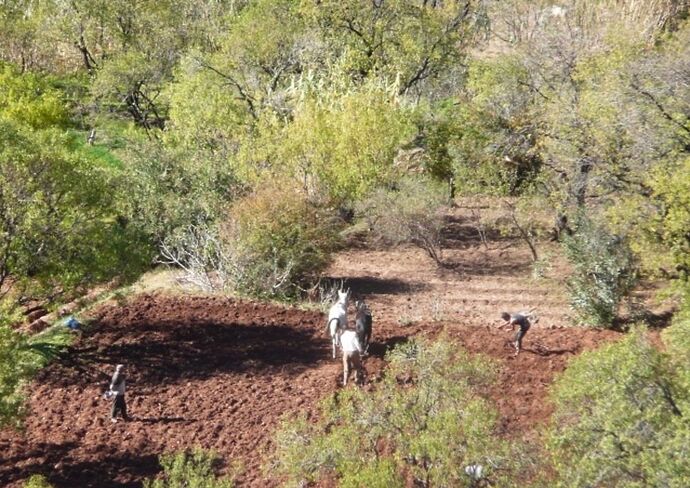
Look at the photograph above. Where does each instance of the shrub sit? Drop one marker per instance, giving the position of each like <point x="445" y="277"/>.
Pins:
<point x="604" y="272"/>
<point x="37" y="481"/>
<point x="198" y="252"/>
<point x="410" y="212"/>
<point x="677" y="341"/>
<point x="167" y="189"/>
<point x="424" y="420"/>
<point x="20" y="358"/>
<point x="276" y="241"/>
<point x="621" y="417"/>
<point x="194" y="469"/>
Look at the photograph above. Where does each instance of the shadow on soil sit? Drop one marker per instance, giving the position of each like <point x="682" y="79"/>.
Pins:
<point x="122" y="470"/>
<point x="462" y="233"/>
<point x="54" y="462"/>
<point x="653" y="320"/>
<point x="371" y="285"/>
<point x="163" y="353"/>
<point x="379" y="349"/>
<point x="488" y="267"/>
<point x="544" y="351"/>
<point x="159" y="420"/>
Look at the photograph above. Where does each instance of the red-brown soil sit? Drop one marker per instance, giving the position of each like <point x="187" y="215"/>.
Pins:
<point x="220" y="373"/>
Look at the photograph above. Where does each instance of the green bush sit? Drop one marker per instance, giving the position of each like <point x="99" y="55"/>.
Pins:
<point x="193" y="469"/>
<point x="410" y="212"/>
<point x="621" y="416"/>
<point x="20" y="358"/>
<point x="604" y="272"/>
<point x="424" y="420"/>
<point x="59" y="225"/>
<point x="37" y="481"/>
<point x="276" y="240"/>
<point x="339" y="143"/>
<point x="167" y="188"/>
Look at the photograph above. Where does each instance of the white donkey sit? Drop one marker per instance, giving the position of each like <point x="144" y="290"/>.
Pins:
<point x="337" y="318"/>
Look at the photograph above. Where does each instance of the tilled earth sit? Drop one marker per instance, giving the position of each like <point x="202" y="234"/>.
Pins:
<point x="220" y="373"/>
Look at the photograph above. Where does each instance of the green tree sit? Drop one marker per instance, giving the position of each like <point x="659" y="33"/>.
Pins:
<point x="58" y="210"/>
<point x="604" y="272"/>
<point x="167" y="187"/>
<point x="30" y="100"/>
<point x="424" y="419"/>
<point x="338" y="146"/>
<point x="66" y="232"/>
<point x="415" y="43"/>
<point x="621" y="416"/>
<point x="494" y="142"/>
<point x="657" y="222"/>
<point x="264" y="48"/>
<point x="190" y="469"/>
<point x="571" y="75"/>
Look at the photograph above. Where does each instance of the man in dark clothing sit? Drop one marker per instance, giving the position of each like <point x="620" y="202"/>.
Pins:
<point x="521" y="319"/>
<point x="117" y="392"/>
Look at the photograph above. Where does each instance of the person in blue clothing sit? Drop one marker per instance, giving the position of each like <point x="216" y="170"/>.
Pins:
<point x="72" y="324"/>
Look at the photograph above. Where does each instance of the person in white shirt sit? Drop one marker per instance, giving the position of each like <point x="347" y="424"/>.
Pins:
<point x="117" y="392"/>
<point x="352" y="355"/>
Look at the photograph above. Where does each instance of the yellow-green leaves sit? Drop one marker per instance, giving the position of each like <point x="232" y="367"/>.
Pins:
<point x="621" y="414"/>
<point x="424" y="420"/>
<point x="30" y="100"/>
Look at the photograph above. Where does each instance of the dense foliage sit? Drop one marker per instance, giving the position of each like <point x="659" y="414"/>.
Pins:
<point x="236" y="139"/>
<point x="621" y="416"/>
<point x="198" y="104"/>
<point x="425" y="420"/>
<point x="603" y="272"/>
<point x="189" y="469"/>
<point x="58" y="201"/>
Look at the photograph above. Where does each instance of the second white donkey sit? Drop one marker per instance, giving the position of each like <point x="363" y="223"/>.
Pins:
<point x="337" y="318"/>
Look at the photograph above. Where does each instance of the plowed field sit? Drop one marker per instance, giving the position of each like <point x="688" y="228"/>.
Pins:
<point x="221" y="373"/>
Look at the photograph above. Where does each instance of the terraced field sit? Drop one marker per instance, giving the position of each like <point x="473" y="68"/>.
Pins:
<point x="221" y="373"/>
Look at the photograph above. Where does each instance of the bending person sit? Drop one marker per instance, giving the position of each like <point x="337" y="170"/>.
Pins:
<point x="521" y="319"/>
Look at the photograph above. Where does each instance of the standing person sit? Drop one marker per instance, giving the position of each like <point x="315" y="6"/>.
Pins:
<point x="352" y="355"/>
<point x="521" y="319"/>
<point x="117" y="391"/>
